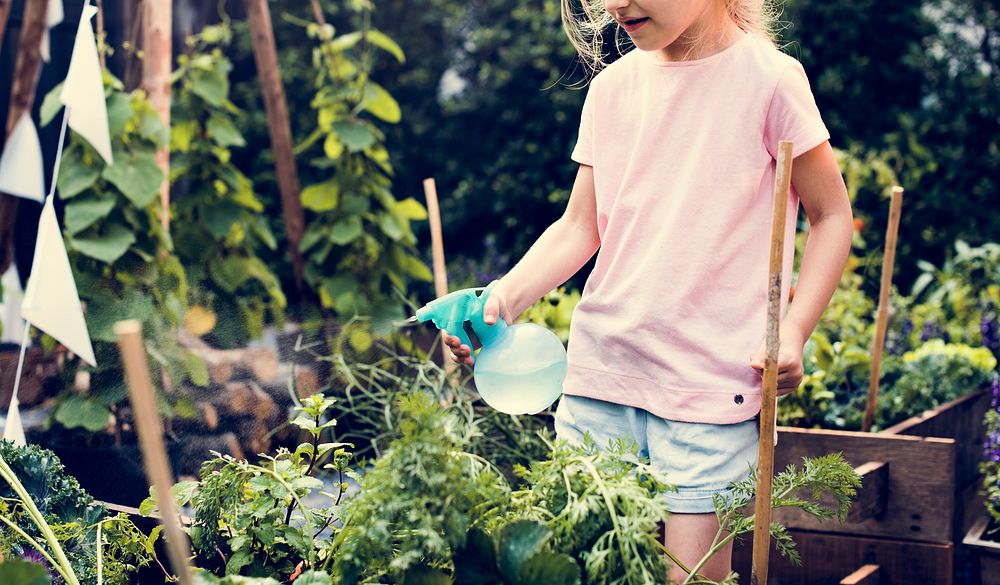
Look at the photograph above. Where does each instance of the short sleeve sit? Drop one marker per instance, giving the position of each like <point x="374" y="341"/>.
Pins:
<point x="793" y="115"/>
<point x="583" y="152"/>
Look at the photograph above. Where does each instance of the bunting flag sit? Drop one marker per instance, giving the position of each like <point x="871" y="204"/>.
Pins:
<point x="11" y="324"/>
<point x="21" y="169"/>
<point x="51" y="301"/>
<point x="53" y="16"/>
<point x="13" y="428"/>
<point x="83" y="90"/>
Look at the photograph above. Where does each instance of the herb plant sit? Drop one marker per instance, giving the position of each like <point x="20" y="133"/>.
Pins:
<point x="990" y="465"/>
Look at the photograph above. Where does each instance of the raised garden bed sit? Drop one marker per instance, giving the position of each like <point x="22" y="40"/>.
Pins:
<point x="986" y="550"/>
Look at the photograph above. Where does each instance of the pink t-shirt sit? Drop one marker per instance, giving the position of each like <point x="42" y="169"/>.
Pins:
<point x="684" y="162"/>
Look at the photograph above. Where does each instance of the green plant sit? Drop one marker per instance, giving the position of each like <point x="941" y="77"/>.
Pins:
<point x="120" y="255"/>
<point x="553" y="311"/>
<point x="359" y="243"/>
<point x="40" y="502"/>
<point x="218" y="224"/>
<point x="990" y="465"/>
<point x="417" y="501"/>
<point x="254" y="519"/>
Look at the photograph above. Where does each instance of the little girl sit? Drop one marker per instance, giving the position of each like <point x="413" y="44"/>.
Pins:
<point x="677" y="148"/>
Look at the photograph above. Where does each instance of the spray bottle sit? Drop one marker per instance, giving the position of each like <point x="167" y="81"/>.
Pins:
<point x="520" y="368"/>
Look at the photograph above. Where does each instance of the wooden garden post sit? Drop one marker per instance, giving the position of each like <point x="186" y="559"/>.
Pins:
<point x="149" y="427"/>
<point x="769" y="385"/>
<point x="157" y="20"/>
<point x="4" y="14"/>
<point x="437" y="249"/>
<point x="882" y="317"/>
<point x="22" y="97"/>
<point x="266" y="57"/>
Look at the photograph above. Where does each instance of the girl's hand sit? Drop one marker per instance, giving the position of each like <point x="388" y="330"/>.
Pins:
<point x="790" y="370"/>
<point x="495" y="305"/>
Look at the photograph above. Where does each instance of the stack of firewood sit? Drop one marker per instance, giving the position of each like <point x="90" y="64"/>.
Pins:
<point x="246" y="404"/>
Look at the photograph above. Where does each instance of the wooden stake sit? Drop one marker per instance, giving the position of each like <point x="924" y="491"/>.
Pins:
<point x="266" y="56"/>
<point x="769" y="385"/>
<point x="882" y="317"/>
<point x="157" y="26"/>
<point x="437" y="249"/>
<point x="4" y="15"/>
<point x="22" y="96"/>
<point x="154" y="453"/>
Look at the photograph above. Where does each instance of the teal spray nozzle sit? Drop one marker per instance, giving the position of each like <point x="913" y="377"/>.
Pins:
<point x="520" y="368"/>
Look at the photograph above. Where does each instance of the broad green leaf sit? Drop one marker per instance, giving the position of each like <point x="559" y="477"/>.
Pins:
<point x="119" y="112"/>
<point x="410" y="208"/>
<point x="81" y="212"/>
<point x="355" y="204"/>
<point x="423" y="575"/>
<point x="382" y="41"/>
<point x="519" y="541"/>
<point x="476" y="562"/>
<point x="182" y="135"/>
<point x="224" y="132"/>
<point x="346" y="230"/>
<point x="149" y="122"/>
<point x="390" y="226"/>
<point x="75" y="176"/>
<point x="416" y="268"/>
<point x="313" y="235"/>
<point x="381" y="104"/>
<point x="549" y="568"/>
<point x="210" y="85"/>
<point x="77" y="411"/>
<point x="355" y="135"/>
<point x="345" y="41"/>
<point x="321" y="196"/>
<point x="229" y="273"/>
<point x="137" y="177"/>
<point x="313" y="578"/>
<point x="196" y="369"/>
<point x="50" y="106"/>
<point x="107" y="247"/>
<point x="333" y="147"/>
<point x="21" y="572"/>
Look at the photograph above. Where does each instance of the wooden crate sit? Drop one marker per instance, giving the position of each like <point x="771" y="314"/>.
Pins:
<point x="910" y="495"/>
<point x="832" y="559"/>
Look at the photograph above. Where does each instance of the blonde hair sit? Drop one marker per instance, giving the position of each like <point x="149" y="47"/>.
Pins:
<point x="585" y="28"/>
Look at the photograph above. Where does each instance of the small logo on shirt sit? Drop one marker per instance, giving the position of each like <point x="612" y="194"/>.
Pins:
<point x="738" y="399"/>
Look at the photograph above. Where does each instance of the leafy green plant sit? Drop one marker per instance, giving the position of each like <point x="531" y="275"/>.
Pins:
<point x="120" y="254"/>
<point x="218" y="225"/>
<point x="553" y="311"/>
<point x="359" y="242"/>
<point x="254" y="519"/>
<point x="417" y="501"/>
<point x="990" y="465"/>
<point x="40" y="502"/>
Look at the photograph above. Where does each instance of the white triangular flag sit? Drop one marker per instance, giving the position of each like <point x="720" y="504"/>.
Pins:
<point x="13" y="429"/>
<point x="11" y="323"/>
<point x="51" y="302"/>
<point x="21" y="170"/>
<point x="53" y="16"/>
<point x="83" y="90"/>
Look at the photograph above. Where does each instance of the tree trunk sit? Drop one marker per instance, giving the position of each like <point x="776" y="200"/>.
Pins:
<point x="22" y="96"/>
<point x="279" y="128"/>
<point x="157" y="22"/>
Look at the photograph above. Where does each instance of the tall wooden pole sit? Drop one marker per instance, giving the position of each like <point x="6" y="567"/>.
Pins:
<point x="157" y="20"/>
<point x="22" y="97"/>
<point x="769" y="385"/>
<point x="437" y="249"/>
<point x="266" y="57"/>
<point x="4" y="15"/>
<point x="882" y="317"/>
<point x="149" y="427"/>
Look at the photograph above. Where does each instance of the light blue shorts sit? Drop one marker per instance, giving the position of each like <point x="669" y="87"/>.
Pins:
<point x="699" y="459"/>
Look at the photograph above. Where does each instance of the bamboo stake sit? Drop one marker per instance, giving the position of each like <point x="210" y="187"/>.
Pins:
<point x="4" y="14"/>
<point x="157" y="19"/>
<point x="22" y="96"/>
<point x="437" y="249"/>
<point x="266" y="57"/>
<point x="769" y="385"/>
<point x="882" y="318"/>
<point x="154" y="454"/>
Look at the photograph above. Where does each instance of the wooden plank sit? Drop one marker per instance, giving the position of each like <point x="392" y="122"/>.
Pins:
<point x="22" y="97"/>
<point x="866" y="575"/>
<point x="266" y="57"/>
<point x="921" y="500"/>
<point x="987" y="551"/>
<point x="874" y="493"/>
<point x="826" y="558"/>
<point x="960" y="419"/>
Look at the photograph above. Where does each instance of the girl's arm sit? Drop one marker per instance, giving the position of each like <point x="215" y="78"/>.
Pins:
<point x="820" y="186"/>
<point x="562" y="249"/>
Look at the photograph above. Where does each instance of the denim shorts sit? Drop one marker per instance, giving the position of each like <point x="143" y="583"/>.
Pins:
<point x="699" y="459"/>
